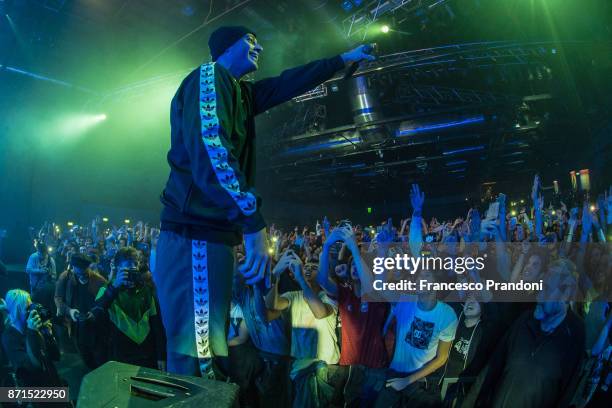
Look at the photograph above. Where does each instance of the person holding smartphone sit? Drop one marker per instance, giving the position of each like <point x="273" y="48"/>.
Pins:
<point x="314" y="342"/>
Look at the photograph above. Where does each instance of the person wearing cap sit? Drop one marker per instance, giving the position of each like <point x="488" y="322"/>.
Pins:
<point x="209" y="200"/>
<point x="75" y="293"/>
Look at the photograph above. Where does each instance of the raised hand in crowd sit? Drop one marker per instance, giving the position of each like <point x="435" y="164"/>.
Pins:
<point x="415" y="238"/>
<point x="283" y="263"/>
<point x="326" y="225"/>
<point x="417" y="198"/>
<point x="587" y="223"/>
<point x="608" y="205"/>
<point x="341" y="271"/>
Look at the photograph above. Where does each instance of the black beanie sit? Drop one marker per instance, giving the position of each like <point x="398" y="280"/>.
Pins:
<point x="81" y="261"/>
<point x="224" y="37"/>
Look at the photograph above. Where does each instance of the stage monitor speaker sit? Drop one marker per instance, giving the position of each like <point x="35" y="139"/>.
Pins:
<point x="124" y="385"/>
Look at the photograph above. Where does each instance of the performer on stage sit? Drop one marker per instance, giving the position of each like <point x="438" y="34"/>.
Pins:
<point x="209" y="200"/>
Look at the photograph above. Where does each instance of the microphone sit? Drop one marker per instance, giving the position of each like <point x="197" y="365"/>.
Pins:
<point x="369" y="49"/>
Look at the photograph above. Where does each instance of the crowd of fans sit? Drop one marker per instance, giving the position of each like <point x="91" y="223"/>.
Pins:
<point x="308" y="336"/>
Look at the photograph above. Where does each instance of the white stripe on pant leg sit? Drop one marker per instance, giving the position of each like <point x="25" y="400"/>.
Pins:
<point x="201" y="306"/>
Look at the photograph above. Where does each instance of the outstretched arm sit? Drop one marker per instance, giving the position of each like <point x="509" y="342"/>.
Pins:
<point x="323" y="278"/>
<point x="274" y="302"/>
<point x="319" y="309"/>
<point x="538" y="204"/>
<point x="270" y="92"/>
<point x="415" y="240"/>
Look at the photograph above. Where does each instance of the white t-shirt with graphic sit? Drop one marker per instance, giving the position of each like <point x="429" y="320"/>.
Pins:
<point x="312" y="338"/>
<point x="418" y="333"/>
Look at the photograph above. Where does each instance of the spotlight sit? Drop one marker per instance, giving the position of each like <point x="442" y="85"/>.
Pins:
<point x="105" y="219"/>
<point x="522" y="201"/>
<point x="554" y="212"/>
<point x="126" y="221"/>
<point x="592" y="207"/>
<point x="271" y="251"/>
<point x="513" y="213"/>
<point x="73" y="125"/>
<point x="274" y="239"/>
<point x="50" y="249"/>
<point x="385" y="29"/>
<point x="70" y="223"/>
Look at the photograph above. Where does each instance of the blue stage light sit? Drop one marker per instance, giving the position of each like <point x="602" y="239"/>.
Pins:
<point x="426" y="128"/>
<point x="465" y="149"/>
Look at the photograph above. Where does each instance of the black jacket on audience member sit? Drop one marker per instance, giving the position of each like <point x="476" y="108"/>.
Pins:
<point x="484" y="338"/>
<point x="530" y="368"/>
<point x="122" y="348"/>
<point x="45" y="350"/>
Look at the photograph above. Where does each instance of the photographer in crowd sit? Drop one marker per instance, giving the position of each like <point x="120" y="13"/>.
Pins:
<point x="29" y="342"/>
<point x="127" y="310"/>
<point x="75" y="294"/>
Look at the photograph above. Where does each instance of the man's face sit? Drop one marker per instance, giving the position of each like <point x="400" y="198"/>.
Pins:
<point x="79" y="272"/>
<point x="245" y="54"/>
<point x="471" y="307"/>
<point x="559" y="285"/>
<point x="428" y="276"/>
<point x="531" y="271"/>
<point x="310" y="271"/>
